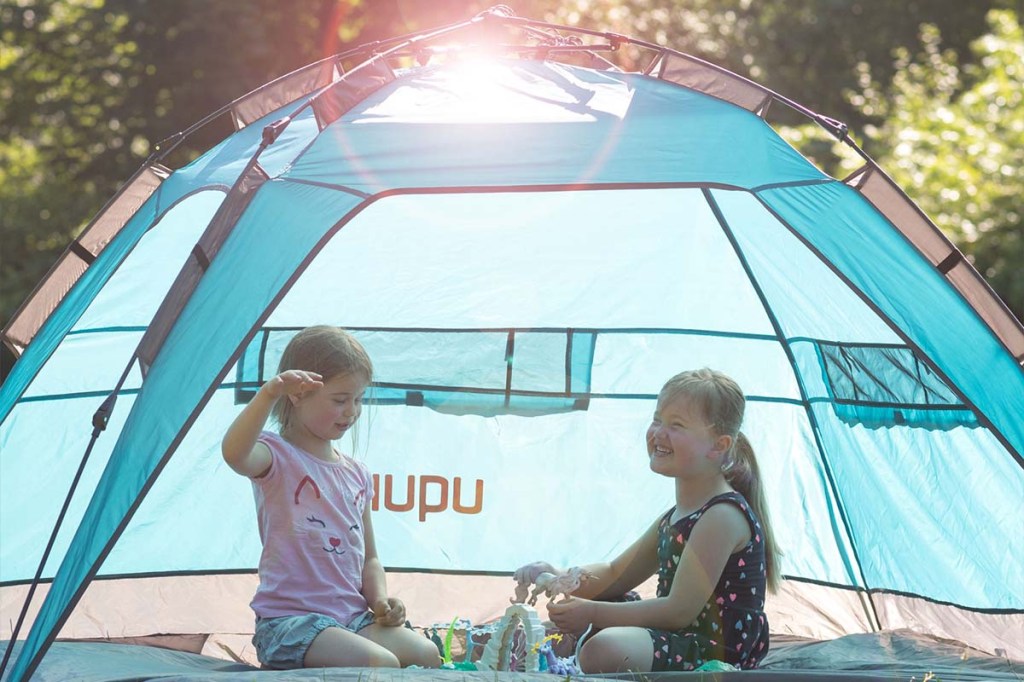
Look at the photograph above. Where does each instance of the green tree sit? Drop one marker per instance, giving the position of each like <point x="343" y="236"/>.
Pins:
<point x="59" y="77"/>
<point x="953" y="135"/>
<point x="806" y="50"/>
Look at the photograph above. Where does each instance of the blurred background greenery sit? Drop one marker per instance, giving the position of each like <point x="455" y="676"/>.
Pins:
<point x="931" y="89"/>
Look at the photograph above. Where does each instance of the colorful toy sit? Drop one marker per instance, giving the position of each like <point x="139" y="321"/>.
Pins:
<point x="446" y="657"/>
<point x="446" y="649"/>
<point x="551" y="663"/>
<point x="498" y="651"/>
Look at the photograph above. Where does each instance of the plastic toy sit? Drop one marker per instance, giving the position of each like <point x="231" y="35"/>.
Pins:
<point x="564" y="584"/>
<point x="498" y="651"/>
<point x="446" y="649"/>
<point x="551" y="663"/>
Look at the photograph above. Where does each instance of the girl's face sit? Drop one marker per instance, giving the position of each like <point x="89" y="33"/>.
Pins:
<point x="331" y="410"/>
<point x="680" y="442"/>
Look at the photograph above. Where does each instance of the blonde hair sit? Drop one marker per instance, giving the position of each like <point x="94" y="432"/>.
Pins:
<point x="722" y="403"/>
<point x="328" y="351"/>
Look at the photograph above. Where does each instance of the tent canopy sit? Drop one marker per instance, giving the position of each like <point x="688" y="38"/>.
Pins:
<point x="528" y="248"/>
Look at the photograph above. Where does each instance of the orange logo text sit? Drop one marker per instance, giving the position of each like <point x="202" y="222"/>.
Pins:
<point x="427" y="494"/>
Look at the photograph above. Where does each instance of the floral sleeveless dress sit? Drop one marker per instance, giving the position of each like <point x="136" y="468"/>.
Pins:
<point x="732" y="626"/>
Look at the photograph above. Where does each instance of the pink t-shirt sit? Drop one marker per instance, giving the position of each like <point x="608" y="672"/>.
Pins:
<point x="310" y="514"/>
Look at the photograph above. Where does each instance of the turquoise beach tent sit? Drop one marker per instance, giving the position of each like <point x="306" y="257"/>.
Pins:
<point x="528" y="241"/>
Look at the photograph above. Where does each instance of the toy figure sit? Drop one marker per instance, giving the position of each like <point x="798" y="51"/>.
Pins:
<point x="551" y="584"/>
<point x="551" y="663"/>
<point x="522" y="590"/>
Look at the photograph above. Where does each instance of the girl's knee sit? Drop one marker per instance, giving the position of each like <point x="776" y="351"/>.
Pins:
<point x="613" y="650"/>
<point x="425" y="654"/>
<point x="382" y="658"/>
<point x="407" y="647"/>
<point x="429" y="655"/>
<point x="595" y="656"/>
<point x="416" y="650"/>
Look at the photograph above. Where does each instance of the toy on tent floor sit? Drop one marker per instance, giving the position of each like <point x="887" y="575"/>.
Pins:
<point x="551" y="585"/>
<point x="550" y="662"/>
<point x="499" y="655"/>
<point x="446" y="652"/>
<point x="716" y="666"/>
<point x="431" y="634"/>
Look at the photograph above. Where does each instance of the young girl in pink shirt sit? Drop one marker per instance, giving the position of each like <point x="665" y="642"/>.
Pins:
<point x="322" y="599"/>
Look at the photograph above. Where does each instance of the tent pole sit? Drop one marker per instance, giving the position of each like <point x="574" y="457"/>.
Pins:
<point x="99" y="424"/>
<point x="869" y="607"/>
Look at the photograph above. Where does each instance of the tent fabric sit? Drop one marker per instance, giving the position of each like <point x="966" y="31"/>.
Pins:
<point x="900" y="655"/>
<point x="132" y="609"/>
<point x="528" y="250"/>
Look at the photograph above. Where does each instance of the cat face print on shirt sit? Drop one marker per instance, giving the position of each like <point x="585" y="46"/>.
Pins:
<point x="313" y="526"/>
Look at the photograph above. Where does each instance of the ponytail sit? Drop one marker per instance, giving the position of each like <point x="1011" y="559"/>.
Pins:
<point x="743" y="474"/>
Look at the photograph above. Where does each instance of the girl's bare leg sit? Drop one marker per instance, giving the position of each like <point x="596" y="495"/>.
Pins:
<point x="336" y="647"/>
<point x="409" y="646"/>
<point x="618" y="649"/>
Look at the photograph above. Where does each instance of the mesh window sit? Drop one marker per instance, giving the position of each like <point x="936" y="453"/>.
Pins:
<point x="487" y="373"/>
<point x="887" y="385"/>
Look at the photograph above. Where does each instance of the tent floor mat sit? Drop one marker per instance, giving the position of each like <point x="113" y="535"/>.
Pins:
<point x="897" y="655"/>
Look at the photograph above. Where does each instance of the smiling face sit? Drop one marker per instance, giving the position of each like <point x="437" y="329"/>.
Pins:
<point x="680" y="442"/>
<point x="329" y="411"/>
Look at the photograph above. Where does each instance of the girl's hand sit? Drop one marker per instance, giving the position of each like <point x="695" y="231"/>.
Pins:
<point x="573" y="615"/>
<point x="527" y="575"/>
<point x="390" y="613"/>
<point x="293" y="382"/>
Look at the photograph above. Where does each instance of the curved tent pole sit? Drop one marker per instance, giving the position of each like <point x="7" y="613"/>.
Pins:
<point x="166" y="146"/>
<point x="99" y="423"/>
<point x="1001" y="321"/>
<point x="502" y="15"/>
<point x="870" y="609"/>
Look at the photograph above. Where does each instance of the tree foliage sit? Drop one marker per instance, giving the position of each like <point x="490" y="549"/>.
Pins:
<point x="953" y="133"/>
<point x="806" y="50"/>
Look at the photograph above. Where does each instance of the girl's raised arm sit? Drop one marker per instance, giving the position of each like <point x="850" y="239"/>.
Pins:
<point x="239" y="447"/>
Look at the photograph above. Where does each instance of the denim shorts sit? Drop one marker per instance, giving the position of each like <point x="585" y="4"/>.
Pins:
<point x="281" y="643"/>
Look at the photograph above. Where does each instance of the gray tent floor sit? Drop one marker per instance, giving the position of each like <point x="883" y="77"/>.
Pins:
<point x="897" y="655"/>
